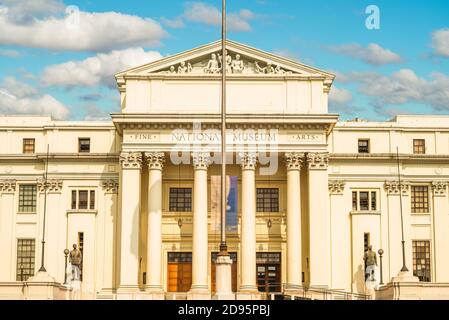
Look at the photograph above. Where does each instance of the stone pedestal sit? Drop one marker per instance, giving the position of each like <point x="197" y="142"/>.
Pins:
<point x="223" y="280"/>
<point x="44" y="287"/>
<point x="405" y="276"/>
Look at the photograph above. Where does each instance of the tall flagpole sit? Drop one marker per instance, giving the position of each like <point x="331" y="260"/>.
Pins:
<point x="404" y="267"/>
<point x="223" y="264"/>
<point x="223" y="245"/>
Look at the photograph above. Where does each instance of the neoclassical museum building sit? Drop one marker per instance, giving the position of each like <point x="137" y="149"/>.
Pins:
<point x="307" y="193"/>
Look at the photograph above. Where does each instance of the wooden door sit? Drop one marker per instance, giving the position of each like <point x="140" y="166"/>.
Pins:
<point x="269" y="278"/>
<point x="268" y="271"/>
<point x="179" y="271"/>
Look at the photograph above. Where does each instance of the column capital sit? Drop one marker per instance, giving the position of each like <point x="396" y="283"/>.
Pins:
<point x="439" y="188"/>
<point x="393" y="187"/>
<point x="201" y="160"/>
<point x="52" y="186"/>
<point x="318" y="161"/>
<point x="294" y="160"/>
<point x="155" y="160"/>
<point x="110" y="186"/>
<point x="248" y="160"/>
<point x="336" y="187"/>
<point x="7" y="186"/>
<point x="131" y="160"/>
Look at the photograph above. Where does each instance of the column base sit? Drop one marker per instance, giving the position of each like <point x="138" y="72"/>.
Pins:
<point x="248" y="294"/>
<point x="106" y="294"/>
<point x="128" y="292"/>
<point x="152" y="293"/>
<point x="199" y="294"/>
<point x="405" y="276"/>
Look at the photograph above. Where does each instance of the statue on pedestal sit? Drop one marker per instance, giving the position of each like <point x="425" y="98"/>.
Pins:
<point x="75" y="259"/>
<point x="370" y="259"/>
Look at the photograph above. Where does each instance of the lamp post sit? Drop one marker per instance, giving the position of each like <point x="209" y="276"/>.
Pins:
<point x="381" y="252"/>
<point x="66" y="253"/>
<point x="404" y="267"/>
<point x="42" y="268"/>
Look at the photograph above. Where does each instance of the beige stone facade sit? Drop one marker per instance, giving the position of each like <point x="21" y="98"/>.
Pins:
<point x="337" y="185"/>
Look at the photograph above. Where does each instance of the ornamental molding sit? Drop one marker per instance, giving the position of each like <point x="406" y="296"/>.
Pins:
<point x="110" y="186"/>
<point x="131" y="160"/>
<point x="294" y="160"/>
<point x="7" y="186"/>
<point x="155" y="160"/>
<point x="439" y="188"/>
<point x="52" y="185"/>
<point x="393" y="187"/>
<point x="248" y="161"/>
<point x="318" y="161"/>
<point x="201" y="160"/>
<point x="206" y="126"/>
<point x="336" y="187"/>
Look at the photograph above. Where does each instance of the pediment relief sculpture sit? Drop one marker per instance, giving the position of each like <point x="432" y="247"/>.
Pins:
<point x="234" y="64"/>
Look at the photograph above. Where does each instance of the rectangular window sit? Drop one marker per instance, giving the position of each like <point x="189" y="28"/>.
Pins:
<point x="354" y="201"/>
<point x="364" y="200"/>
<point x="366" y="240"/>
<point x="363" y="146"/>
<point x="267" y="200"/>
<point x="27" y="198"/>
<point x="74" y="199"/>
<point x="421" y="260"/>
<point x="419" y="146"/>
<point x="25" y="259"/>
<point x="180" y="200"/>
<point x="92" y="200"/>
<point x="420" y="199"/>
<point x="84" y="145"/>
<point x="373" y="201"/>
<point x="28" y="145"/>
<point x="83" y="200"/>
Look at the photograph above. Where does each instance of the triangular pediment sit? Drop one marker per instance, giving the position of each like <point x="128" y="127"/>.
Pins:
<point x="241" y="60"/>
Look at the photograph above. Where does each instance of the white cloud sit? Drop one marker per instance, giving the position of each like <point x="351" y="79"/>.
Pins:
<point x="44" y="27"/>
<point x="95" y="113"/>
<point x="25" y="11"/>
<point x="20" y="98"/>
<point x="210" y="15"/>
<point x="176" y="23"/>
<point x="402" y="87"/>
<point x="339" y="96"/>
<point x="97" y="70"/>
<point x="440" y="42"/>
<point x="373" y="54"/>
<point x="10" y="53"/>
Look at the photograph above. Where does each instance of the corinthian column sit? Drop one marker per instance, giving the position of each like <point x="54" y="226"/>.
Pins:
<point x="200" y="284"/>
<point x="131" y="163"/>
<point x="248" y="285"/>
<point x="7" y="217"/>
<point x="155" y="161"/>
<point x="294" y="253"/>
<point x="319" y="221"/>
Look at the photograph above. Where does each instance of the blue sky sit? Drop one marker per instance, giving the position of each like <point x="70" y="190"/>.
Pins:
<point x="59" y="59"/>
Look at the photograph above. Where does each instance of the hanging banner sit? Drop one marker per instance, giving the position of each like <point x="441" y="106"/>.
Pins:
<point x="231" y="207"/>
